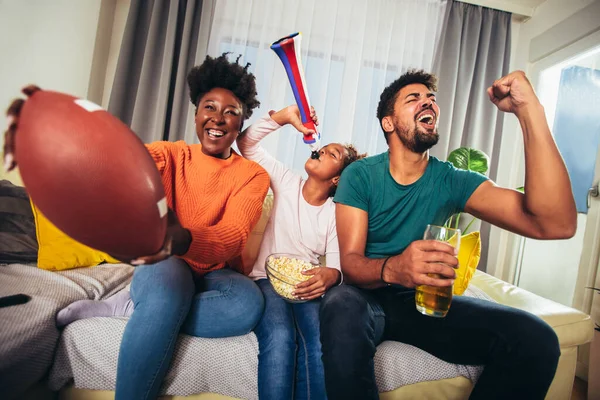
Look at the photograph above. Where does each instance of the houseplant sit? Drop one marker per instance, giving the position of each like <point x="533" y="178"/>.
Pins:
<point x="468" y="159"/>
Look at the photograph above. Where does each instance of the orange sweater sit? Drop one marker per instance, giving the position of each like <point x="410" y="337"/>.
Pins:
<point x="218" y="201"/>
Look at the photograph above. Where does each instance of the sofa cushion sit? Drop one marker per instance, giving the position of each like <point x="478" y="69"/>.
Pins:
<point x="250" y="252"/>
<point x="572" y="327"/>
<point x="58" y="251"/>
<point x="89" y="348"/>
<point x="88" y="354"/>
<point x="29" y="336"/>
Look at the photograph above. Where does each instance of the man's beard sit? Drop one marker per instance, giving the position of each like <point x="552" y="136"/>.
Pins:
<point x="416" y="141"/>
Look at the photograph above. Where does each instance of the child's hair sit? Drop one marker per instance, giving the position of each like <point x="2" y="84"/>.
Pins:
<point x="220" y="73"/>
<point x="351" y="156"/>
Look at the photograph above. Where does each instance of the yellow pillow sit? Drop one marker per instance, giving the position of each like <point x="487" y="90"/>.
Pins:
<point x="468" y="258"/>
<point x="57" y="251"/>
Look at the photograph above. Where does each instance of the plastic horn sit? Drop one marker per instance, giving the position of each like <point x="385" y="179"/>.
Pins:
<point x="288" y="50"/>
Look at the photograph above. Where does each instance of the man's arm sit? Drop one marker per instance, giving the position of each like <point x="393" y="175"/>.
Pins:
<point x="409" y="269"/>
<point x="547" y="209"/>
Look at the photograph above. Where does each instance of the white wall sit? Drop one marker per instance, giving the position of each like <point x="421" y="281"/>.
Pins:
<point x="121" y="11"/>
<point x="52" y="44"/>
<point x="570" y="20"/>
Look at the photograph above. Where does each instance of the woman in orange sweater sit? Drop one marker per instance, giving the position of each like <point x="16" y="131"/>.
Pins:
<point x="215" y="198"/>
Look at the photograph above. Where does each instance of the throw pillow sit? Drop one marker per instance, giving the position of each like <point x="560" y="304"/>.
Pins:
<point x="58" y="251"/>
<point x="468" y="259"/>
<point x="17" y="227"/>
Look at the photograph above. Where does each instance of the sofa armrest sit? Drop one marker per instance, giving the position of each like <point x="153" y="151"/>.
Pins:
<point x="250" y="251"/>
<point x="572" y="327"/>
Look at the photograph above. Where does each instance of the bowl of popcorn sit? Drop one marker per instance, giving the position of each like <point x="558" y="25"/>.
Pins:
<point x="285" y="272"/>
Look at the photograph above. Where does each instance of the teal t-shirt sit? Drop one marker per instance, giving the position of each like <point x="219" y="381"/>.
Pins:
<point x="399" y="214"/>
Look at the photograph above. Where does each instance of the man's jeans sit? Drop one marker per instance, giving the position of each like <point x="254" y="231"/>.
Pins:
<point x="519" y="350"/>
<point x="289" y="359"/>
<point x="166" y="301"/>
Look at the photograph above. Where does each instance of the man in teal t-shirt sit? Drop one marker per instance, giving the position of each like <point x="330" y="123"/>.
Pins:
<point x="384" y="204"/>
<point x="398" y="214"/>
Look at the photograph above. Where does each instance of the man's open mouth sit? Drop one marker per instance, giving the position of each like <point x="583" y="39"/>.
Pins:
<point x="427" y="119"/>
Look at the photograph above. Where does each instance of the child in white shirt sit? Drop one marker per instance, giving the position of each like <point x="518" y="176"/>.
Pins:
<point x="302" y="223"/>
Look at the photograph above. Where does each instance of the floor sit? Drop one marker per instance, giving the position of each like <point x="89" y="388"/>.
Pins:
<point x="579" y="390"/>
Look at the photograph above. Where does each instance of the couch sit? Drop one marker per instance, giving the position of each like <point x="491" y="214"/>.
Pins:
<point x="38" y="361"/>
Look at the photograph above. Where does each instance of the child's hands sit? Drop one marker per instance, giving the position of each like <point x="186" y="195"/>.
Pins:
<point x="322" y="279"/>
<point x="313" y="116"/>
<point x="291" y="115"/>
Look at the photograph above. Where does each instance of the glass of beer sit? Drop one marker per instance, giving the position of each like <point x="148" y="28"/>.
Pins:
<point x="431" y="300"/>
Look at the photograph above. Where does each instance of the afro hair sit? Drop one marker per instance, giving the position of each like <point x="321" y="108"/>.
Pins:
<point x="219" y="72"/>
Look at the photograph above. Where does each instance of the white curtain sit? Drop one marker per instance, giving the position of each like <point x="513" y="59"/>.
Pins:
<point x="351" y="49"/>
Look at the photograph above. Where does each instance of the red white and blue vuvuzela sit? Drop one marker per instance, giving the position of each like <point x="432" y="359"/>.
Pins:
<point x="288" y="50"/>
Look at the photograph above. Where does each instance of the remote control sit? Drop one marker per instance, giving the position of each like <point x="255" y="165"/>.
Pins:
<point x="14" y="300"/>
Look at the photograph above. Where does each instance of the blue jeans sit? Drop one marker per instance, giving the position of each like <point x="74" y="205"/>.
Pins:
<point x="519" y="350"/>
<point x="289" y="358"/>
<point x="166" y="301"/>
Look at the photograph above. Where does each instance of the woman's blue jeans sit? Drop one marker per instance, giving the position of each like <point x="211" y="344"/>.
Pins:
<point x="289" y="359"/>
<point x="168" y="300"/>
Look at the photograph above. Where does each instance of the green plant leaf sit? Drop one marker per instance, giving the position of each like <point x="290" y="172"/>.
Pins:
<point x="469" y="225"/>
<point x="448" y="222"/>
<point x="469" y="159"/>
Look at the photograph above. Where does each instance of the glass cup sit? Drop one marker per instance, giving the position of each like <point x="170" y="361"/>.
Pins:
<point x="432" y="300"/>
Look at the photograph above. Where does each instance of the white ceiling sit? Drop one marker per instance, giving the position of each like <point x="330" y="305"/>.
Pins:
<point x="524" y="8"/>
<point x="527" y="3"/>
